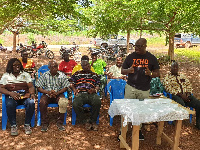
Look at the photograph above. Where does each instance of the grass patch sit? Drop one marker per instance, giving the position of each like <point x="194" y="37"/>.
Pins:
<point x="193" y="54"/>
<point x="156" y="41"/>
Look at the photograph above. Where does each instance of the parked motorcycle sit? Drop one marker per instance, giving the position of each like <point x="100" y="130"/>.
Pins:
<point x="39" y="50"/>
<point x="72" y="51"/>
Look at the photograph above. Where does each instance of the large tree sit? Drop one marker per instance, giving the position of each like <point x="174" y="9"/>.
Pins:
<point x="169" y="16"/>
<point x="40" y="16"/>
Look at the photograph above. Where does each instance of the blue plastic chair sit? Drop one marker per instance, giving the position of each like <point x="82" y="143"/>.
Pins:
<point x="74" y="114"/>
<point x="42" y="70"/>
<point x="4" y="113"/>
<point x="116" y="89"/>
<point x="170" y="96"/>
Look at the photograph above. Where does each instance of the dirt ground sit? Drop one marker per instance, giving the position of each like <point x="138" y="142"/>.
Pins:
<point x="77" y="138"/>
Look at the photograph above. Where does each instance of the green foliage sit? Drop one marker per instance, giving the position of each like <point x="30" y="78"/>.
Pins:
<point x="1" y="41"/>
<point x="30" y="38"/>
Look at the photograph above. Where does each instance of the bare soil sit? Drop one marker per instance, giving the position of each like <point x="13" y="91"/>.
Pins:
<point x="77" y="138"/>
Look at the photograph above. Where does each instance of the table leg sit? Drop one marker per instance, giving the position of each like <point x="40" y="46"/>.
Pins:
<point x="135" y="137"/>
<point x="177" y="134"/>
<point x="123" y="133"/>
<point x="160" y="131"/>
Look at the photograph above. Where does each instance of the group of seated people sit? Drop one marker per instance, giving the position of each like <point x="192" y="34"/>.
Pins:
<point x="17" y="85"/>
<point x="85" y="80"/>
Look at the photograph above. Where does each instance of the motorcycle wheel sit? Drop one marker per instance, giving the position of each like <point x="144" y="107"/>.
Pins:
<point x="49" y="54"/>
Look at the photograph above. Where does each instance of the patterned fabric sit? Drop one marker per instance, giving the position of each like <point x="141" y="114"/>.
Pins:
<point x="174" y="83"/>
<point x="79" y="67"/>
<point x="9" y="78"/>
<point x="156" y="86"/>
<point x="29" y="64"/>
<point x="98" y="66"/>
<point x="67" y="66"/>
<point x="116" y="71"/>
<point x="83" y="81"/>
<point x="49" y="82"/>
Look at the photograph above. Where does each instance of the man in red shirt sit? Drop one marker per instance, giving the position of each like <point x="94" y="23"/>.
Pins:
<point x="67" y="65"/>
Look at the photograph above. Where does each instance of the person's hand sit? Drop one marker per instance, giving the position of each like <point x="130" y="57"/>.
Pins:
<point x="123" y="77"/>
<point x="32" y="96"/>
<point x="147" y="71"/>
<point x="131" y="69"/>
<point x="91" y="91"/>
<point x="53" y="94"/>
<point x="75" y="91"/>
<point x="15" y="95"/>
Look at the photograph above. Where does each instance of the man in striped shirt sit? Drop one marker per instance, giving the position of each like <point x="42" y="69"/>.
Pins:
<point x="53" y="84"/>
<point x="85" y="86"/>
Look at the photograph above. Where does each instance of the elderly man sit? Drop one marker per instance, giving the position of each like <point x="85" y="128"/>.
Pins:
<point x="85" y="86"/>
<point x="53" y="84"/>
<point x="140" y="66"/>
<point x="181" y="89"/>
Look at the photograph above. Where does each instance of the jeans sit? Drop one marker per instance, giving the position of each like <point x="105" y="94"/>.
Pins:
<point x="194" y="103"/>
<point x="11" y="105"/>
<point x="85" y="98"/>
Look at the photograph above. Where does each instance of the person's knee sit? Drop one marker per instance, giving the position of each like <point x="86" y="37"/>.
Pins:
<point x="63" y="103"/>
<point x="10" y="103"/>
<point x="43" y="100"/>
<point x="31" y="102"/>
<point x="97" y="100"/>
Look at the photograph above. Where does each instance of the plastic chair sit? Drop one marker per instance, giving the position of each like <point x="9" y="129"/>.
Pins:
<point x="116" y="89"/>
<point x="170" y="96"/>
<point x="42" y="70"/>
<point x="74" y="114"/>
<point x="4" y="113"/>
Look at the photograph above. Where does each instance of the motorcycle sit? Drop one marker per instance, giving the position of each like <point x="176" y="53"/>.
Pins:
<point x="39" y="50"/>
<point x="72" y="51"/>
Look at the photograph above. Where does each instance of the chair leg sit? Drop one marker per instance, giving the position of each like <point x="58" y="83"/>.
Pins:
<point x="73" y="117"/>
<point x="33" y="120"/>
<point x="191" y="115"/>
<point x="111" y="121"/>
<point x="4" y="113"/>
<point x="4" y="118"/>
<point x="38" y="117"/>
<point x="97" y="122"/>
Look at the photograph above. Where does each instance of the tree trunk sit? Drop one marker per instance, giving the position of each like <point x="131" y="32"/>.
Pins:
<point x="14" y="41"/>
<point x="171" y="46"/>
<point x="128" y="38"/>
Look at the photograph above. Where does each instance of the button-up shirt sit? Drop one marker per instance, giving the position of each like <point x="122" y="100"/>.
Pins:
<point x="56" y="82"/>
<point x="175" y="84"/>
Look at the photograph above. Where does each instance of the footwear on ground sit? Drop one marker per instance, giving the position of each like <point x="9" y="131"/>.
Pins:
<point x="14" y="130"/>
<point x="27" y="129"/>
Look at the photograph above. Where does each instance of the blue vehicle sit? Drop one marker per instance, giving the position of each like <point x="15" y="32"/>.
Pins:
<point x="186" y="40"/>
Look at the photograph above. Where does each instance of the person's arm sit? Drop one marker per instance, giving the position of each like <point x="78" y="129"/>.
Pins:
<point x="74" y="89"/>
<point x="14" y="95"/>
<point x="127" y="71"/>
<point x="31" y="91"/>
<point x="155" y="73"/>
